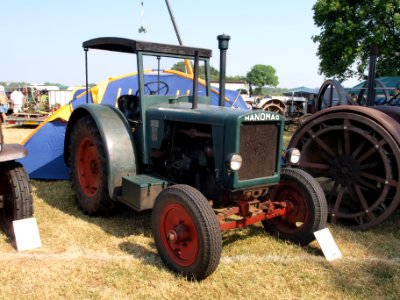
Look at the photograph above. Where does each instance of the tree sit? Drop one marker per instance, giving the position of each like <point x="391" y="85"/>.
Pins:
<point x="179" y="66"/>
<point x="261" y="75"/>
<point x="214" y="74"/>
<point x="235" y="78"/>
<point x="349" y="28"/>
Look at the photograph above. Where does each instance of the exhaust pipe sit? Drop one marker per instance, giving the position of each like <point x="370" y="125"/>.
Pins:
<point x="371" y="76"/>
<point x="223" y="42"/>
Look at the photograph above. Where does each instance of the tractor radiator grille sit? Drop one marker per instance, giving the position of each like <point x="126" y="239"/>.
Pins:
<point x="258" y="148"/>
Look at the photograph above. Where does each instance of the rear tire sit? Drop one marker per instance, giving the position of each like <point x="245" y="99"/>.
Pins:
<point x="309" y="207"/>
<point x="16" y="195"/>
<point x="89" y="169"/>
<point x="186" y="232"/>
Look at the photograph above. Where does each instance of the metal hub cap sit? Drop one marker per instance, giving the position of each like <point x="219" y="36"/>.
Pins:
<point x="345" y="170"/>
<point x="179" y="234"/>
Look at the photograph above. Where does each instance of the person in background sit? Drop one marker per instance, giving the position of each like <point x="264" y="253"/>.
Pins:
<point x="397" y="91"/>
<point x="395" y="99"/>
<point x="3" y="107"/>
<point x="17" y="101"/>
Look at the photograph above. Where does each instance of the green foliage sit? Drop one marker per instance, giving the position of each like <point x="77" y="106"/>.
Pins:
<point x="350" y="28"/>
<point x="21" y="85"/>
<point x="180" y="66"/>
<point x="273" y="91"/>
<point x="260" y="76"/>
<point x="59" y="85"/>
<point x="13" y="85"/>
<point x="214" y="74"/>
<point x="235" y="78"/>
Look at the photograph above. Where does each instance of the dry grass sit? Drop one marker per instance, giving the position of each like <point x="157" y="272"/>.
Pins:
<point x="115" y="257"/>
<point x="15" y="134"/>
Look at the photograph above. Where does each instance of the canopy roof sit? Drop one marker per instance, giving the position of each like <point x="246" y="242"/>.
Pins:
<point x="301" y="91"/>
<point x="124" y="45"/>
<point x="390" y="82"/>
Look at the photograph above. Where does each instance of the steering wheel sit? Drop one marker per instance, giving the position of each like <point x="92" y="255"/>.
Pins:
<point x="155" y="87"/>
<point x="393" y="98"/>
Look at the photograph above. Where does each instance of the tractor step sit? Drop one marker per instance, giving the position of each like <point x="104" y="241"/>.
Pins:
<point x="140" y="191"/>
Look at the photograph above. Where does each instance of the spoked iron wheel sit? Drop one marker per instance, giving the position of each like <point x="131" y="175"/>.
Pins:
<point x="306" y="204"/>
<point x="332" y="93"/>
<point x="275" y="105"/>
<point x="354" y="154"/>
<point x="186" y="232"/>
<point x="380" y="88"/>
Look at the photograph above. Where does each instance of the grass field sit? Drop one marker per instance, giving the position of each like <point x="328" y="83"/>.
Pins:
<point x="115" y="257"/>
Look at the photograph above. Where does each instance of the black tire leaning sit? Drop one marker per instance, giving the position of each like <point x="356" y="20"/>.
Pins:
<point x="17" y="195"/>
<point x="204" y="234"/>
<point x="309" y="207"/>
<point x="93" y="200"/>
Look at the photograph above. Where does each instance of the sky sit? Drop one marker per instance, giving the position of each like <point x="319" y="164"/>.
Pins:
<point x="42" y="39"/>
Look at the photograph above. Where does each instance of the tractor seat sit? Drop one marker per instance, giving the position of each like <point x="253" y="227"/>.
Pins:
<point x="129" y="105"/>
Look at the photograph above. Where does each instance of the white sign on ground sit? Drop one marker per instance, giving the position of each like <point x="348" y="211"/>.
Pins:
<point x="26" y="234"/>
<point x="328" y="244"/>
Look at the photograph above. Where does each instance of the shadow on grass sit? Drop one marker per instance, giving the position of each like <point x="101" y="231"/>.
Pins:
<point x="356" y="277"/>
<point x="231" y="237"/>
<point x="146" y="256"/>
<point x="235" y="235"/>
<point x="123" y="222"/>
<point x="370" y="267"/>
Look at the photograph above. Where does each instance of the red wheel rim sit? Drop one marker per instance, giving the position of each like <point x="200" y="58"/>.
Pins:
<point x="179" y="234"/>
<point x="298" y="214"/>
<point x="88" y="167"/>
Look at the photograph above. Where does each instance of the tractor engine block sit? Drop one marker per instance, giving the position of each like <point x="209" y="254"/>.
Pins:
<point x="188" y="156"/>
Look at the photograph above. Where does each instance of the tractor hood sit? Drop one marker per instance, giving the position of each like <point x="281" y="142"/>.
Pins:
<point x="207" y="114"/>
<point x="248" y="133"/>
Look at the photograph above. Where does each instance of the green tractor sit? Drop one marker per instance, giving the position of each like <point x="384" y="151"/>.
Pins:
<point x="201" y="168"/>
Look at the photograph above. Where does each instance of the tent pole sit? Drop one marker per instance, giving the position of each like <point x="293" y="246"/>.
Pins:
<point x="187" y="62"/>
<point x="174" y="23"/>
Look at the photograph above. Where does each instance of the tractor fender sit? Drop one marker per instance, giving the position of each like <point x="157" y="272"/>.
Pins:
<point x="391" y="111"/>
<point x="117" y="138"/>
<point x="376" y="113"/>
<point x="11" y="152"/>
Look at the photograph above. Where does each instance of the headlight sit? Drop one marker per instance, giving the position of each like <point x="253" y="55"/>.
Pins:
<point x="233" y="161"/>
<point x="292" y="156"/>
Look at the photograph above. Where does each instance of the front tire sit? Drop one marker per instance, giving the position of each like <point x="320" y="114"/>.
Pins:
<point x="308" y="207"/>
<point x="186" y="232"/>
<point x="89" y="168"/>
<point x="16" y="195"/>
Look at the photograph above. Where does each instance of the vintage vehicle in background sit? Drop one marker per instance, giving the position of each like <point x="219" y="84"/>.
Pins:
<point x="201" y="168"/>
<point x="40" y="102"/>
<point x="293" y="108"/>
<point x="15" y="192"/>
<point x="352" y="146"/>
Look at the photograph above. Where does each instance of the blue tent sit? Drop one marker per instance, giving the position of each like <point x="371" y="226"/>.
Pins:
<point x="46" y="144"/>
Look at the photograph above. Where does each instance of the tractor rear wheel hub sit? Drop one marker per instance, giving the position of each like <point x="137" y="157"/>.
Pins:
<point x="345" y="170"/>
